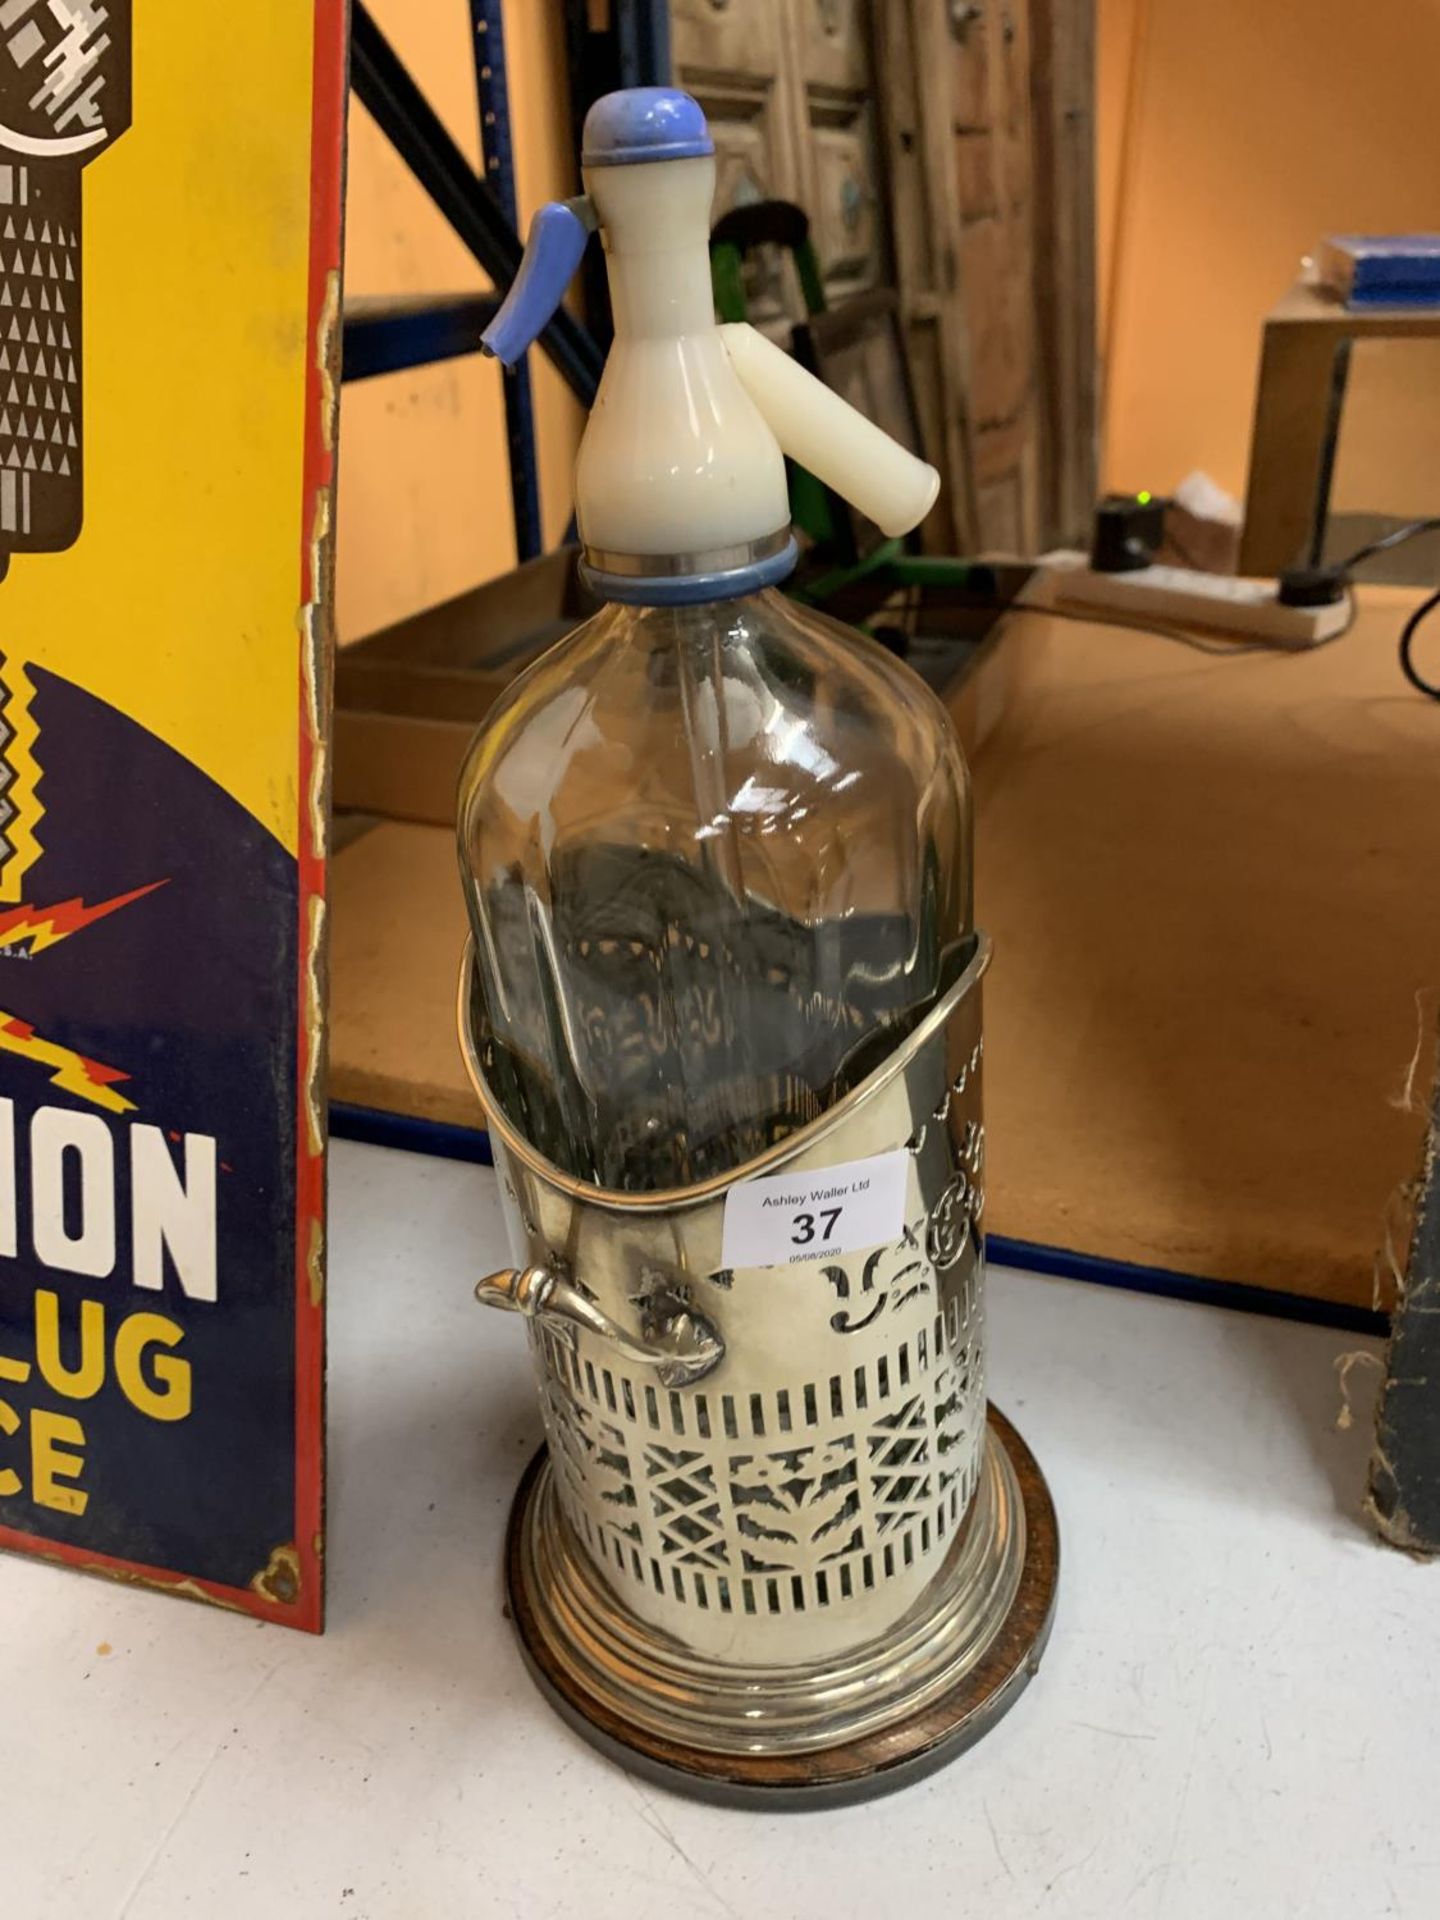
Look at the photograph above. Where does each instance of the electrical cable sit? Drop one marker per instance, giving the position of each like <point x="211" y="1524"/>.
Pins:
<point x="913" y="606"/>
<point x="1395" y="538"/>
<point x="1200" y="643"/>
<point x="1407" y="641"/>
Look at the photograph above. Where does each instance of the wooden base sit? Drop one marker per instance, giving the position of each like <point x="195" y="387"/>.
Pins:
<point x="856" y="1770"/>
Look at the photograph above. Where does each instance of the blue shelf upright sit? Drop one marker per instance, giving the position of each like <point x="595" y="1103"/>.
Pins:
<point x="387" y="336"/>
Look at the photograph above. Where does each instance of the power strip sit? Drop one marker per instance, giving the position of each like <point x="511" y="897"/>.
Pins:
<point x="1213" y="603"/>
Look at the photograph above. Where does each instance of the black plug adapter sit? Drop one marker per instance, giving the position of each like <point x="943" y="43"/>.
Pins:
<point x="1311" y="586"/>
<point x="1128" y="529"/>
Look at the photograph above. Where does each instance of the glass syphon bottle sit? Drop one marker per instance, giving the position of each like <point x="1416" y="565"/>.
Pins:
<point x="715" y="846"/>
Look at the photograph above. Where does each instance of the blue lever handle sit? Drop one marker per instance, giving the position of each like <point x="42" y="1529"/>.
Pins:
<point x="553" y="249"/>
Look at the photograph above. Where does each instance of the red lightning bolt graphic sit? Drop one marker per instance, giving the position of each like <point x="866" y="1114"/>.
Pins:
<point x="44" y="927"/>
<point x="35" y="929"/>
<point x="70" y="1071"/>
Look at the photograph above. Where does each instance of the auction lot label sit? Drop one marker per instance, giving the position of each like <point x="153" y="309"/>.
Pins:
<point x="782" y="1218"/>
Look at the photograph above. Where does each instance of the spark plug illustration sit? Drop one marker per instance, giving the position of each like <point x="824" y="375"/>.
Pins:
<point x="64" y="98"/>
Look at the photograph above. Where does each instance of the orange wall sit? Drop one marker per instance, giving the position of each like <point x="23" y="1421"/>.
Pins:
<point x="1233" y="134"/>
<point x="424" y="497"/>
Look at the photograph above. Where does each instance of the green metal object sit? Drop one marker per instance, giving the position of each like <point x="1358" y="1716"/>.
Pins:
<point x="775" y="223"/>
<point x="822" y="586"/>
<point x="834" y="567"/>
<point x="812" y="287"/>
<point x="727" y="277"/>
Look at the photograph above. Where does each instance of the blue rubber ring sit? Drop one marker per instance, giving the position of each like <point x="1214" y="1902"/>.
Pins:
<point x="691" y="589"/>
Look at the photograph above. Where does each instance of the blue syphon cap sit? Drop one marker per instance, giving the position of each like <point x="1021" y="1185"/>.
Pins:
<point x="639" y="124"/>
<point x="636" y="125"/>
<point x="553" y="248"/>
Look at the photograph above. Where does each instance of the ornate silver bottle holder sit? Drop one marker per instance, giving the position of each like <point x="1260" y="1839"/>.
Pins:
<point x="775" y="1551"/>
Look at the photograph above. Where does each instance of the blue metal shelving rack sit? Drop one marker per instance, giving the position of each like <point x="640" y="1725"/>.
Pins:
<point x="387" y="336"/>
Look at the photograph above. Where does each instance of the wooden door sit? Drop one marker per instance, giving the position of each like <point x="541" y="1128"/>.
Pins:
<point x="929" y="143"/>
<point x="1062" y="97"/>
<point x="988" y="54"/>
<point x="832" y="88"/>
<point x="788" y="87"/>
<point x="956" y="98"/>
<point x="734" y="56"/>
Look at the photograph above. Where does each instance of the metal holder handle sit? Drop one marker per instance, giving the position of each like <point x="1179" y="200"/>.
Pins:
<point x="677" y="1341"/>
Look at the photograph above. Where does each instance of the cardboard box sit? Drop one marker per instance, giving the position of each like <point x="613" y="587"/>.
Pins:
<point x="408" y="699"/>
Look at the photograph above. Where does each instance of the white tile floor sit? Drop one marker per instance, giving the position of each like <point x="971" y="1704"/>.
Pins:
<point x="1239" y="1712"/>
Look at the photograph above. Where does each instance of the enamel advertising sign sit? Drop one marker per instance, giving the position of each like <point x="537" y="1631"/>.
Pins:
<point x="169" y="301"/>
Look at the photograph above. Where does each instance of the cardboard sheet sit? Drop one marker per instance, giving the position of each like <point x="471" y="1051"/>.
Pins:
<point x="1212" y="886"/>
<point x="395" y="944"/>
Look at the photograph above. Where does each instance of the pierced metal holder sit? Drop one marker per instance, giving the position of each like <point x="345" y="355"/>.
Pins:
<point x="774" y="1551"/>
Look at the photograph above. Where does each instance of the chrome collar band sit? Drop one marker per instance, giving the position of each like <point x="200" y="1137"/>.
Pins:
<point x="687" y="579"/>
<point x="797" y="1148"/>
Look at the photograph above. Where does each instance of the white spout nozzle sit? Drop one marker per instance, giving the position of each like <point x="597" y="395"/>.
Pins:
<point x="849" y="453"/>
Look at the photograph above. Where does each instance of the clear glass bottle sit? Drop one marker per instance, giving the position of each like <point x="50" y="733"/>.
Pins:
<point x="715" y="848"/>
<point x="716" y="860"/>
